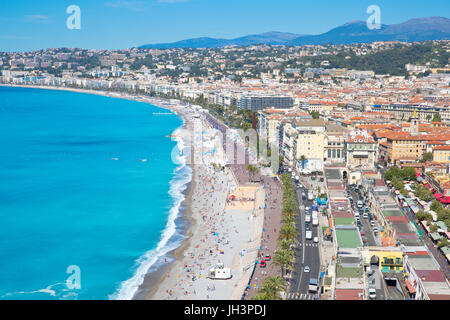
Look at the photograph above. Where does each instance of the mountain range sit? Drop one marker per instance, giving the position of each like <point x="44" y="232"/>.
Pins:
<point x="419" y="29"/>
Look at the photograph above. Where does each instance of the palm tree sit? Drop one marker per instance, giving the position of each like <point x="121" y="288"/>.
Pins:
<point x="288" y="218"/>
<point x="260" y="296"/>
<point x="303" y="160"/>
<point x="252" y="170"/>
<point x="277" y="284"/>
<point x="288" y="232"/>
<point x="284" y="259"/>
<point x="285" y="244"/>
<point x="271" y="289"/>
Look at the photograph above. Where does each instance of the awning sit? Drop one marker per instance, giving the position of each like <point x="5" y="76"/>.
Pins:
<point x="330" y="221"/>
<point x="437" y="195"/>
<point x="435" y="236"/>
<point x="445" y="200"/>
<point x="427" y="185"/>
<point x="328" y="232"/>
<point x="410" y="287"/>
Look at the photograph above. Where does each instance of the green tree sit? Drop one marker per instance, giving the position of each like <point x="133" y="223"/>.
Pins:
<point x="315" y="114"/>
<point x="392" y="172"/>
<point x="284" y="244"/>
<point x="252" y="170"/>
<point x="284" y="259"/>
<point x="436" y="117"/>
<point x="426" y="156"/>
<point x="303" y="160"/>
<point x="421" y="216"/>
<point x="288" y="232"/>
<point x="409" y="174"/>
<point x="434" y="228"/>
<point x="443" y="243"/>
<point x="271" y="288"/>
<point x="436" y="206"/>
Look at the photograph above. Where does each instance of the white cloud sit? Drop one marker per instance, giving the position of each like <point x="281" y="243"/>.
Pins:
<point x="37" y="18"/>
<point x="124" y="4"/>
<point x="172" y="1"/>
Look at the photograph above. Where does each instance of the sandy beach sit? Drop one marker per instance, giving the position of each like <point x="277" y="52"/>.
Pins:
<point x="223" y="230"/>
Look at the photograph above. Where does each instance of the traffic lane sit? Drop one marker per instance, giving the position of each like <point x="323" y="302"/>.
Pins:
<point x="309" y="255"/>
<point x="298" y="283"/>
<point x="367" y="229"/>
<point x="369" y="232"/>
<point x="298" y="271"/>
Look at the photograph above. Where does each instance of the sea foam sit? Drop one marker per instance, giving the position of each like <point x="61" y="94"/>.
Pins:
<point x="178" y="184"/>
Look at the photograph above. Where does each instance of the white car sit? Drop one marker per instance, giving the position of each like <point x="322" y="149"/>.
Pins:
<point x="306" y="269"/>
<point x="316" y="239"/>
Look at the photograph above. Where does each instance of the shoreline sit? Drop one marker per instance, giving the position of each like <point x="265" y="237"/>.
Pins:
<point x="152" y="278"/>
<point x="193" y="228"/>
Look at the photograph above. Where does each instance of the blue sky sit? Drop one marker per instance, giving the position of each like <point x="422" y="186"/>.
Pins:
<point x="115" y="24"/>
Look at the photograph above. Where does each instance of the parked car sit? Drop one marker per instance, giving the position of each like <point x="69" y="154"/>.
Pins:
<point x="365" y="216"/>
<point x="267" y="257"/>
<point x="262" y="264"/>
<point x="372" y="293"/>
<point x="375" y="229"/>
<point x="372" y="223"/>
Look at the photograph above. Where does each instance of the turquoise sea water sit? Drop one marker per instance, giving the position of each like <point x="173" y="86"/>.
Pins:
<point x="75" y="191"/>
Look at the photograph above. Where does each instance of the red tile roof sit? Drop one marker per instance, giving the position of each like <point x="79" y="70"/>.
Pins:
<point x="349" y="294"/>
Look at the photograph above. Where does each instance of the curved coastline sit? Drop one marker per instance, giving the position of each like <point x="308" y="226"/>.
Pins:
<point x="150" y="266"/>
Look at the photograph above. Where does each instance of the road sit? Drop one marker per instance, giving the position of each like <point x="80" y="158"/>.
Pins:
<point x="307" y="255"/>
<point x="367" y="228"/>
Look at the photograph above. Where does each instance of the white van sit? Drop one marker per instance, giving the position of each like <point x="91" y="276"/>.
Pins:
<point x="372" y="293"/>
<point x="315" y="218"/>
<point x="308" y="217"/>
<point x="308" y="234"/>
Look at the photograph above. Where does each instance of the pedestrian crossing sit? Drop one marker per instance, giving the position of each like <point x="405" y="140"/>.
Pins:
<point x="309" y="244"/>
<point x="301" y="296"/>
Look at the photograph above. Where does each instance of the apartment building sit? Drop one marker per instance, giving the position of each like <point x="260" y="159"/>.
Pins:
<point x="361" y="150"/>
<point x="310" y="144"/>
<point x="441" y="154"/>
<point x="269" y="122"/>
<point x="334" y="149"/>
<point x="261" y="102"/>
